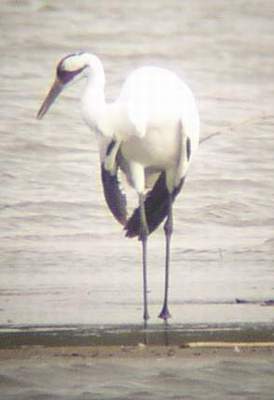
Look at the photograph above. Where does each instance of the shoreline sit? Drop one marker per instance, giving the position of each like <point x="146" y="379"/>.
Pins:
<point x="182" y="336"/>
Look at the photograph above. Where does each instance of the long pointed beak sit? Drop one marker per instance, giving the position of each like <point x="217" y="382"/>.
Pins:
<point x="55" y="90"/>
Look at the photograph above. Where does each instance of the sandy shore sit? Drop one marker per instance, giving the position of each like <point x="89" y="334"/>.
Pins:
<point x="204" y="350"/>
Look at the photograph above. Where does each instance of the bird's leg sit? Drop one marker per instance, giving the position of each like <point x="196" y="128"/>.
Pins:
<point x="143" y="236"/>
<point x="168" y="228"/>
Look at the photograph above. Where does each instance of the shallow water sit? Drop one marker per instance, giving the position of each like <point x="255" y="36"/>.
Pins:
<point x="63" y="258"/>
<point x="123" y="379"/>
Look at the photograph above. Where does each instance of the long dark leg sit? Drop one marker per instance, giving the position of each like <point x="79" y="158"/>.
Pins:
<point x="168" y="228"/>
<point x="143" y="236"/>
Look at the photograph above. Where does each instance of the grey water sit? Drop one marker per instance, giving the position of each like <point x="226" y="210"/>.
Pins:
<point x="63" y="258"/>
<point x="197" y="377"/>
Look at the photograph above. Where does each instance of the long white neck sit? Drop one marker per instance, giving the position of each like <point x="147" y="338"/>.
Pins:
<point x="93" y="100"/>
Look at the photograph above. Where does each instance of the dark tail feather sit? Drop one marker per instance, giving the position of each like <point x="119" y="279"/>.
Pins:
<point x="156" y="206"/>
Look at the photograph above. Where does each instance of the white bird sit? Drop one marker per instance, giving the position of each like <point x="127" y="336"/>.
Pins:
<point x="150" y="133"/>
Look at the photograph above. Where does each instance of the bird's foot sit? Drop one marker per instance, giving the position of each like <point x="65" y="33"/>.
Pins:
<point x="165" y="314"/>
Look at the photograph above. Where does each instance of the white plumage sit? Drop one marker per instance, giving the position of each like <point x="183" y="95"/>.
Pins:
<point x="151" y="130"/>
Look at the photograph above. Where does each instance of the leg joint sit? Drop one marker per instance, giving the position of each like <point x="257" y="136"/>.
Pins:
<point x="168" y="226"/>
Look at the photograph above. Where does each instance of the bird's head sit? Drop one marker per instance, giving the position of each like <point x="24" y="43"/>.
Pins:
<point x="69" y="69"/>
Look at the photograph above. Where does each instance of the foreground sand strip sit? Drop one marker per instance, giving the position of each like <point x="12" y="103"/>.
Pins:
<point x="230" y="344"/>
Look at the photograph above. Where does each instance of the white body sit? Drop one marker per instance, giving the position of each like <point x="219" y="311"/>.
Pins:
<point x="145" y="121"/>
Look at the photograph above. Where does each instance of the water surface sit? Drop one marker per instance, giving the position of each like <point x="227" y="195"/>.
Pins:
<point x="63" y="258"/>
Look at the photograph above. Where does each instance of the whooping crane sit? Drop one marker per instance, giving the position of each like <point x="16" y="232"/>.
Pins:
<point x="150" y="133"/>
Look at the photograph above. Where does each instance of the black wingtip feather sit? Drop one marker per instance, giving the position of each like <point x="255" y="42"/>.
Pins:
<point x="115" y="199"/>
<point x="156" y="207"/>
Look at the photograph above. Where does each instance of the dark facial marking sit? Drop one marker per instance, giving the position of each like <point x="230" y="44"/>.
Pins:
<point x="66" y="76"/>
